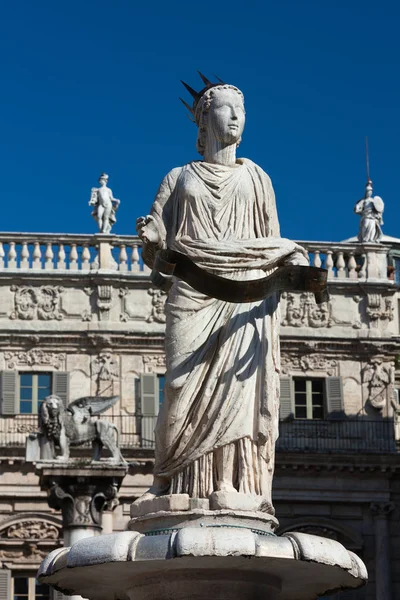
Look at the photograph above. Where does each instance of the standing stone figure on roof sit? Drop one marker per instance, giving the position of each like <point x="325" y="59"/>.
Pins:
<point x="371" y="210"/>
<point x="105" y="205"/>
<point x="218" y="424"/>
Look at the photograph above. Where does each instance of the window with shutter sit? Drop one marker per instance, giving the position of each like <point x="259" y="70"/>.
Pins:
<point x="150" y="403"/>
<point x="309" y="398"/>
<point x="9" y="399"/>
<point x="61" y="385"/>
<point x="286" y="408"/>
<point x="33" y="389"/>
<point x="5" y="584"/>
<point x="334" y="397"/>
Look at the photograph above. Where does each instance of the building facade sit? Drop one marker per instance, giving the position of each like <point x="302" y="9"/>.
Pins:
<point x="79" y="316"/>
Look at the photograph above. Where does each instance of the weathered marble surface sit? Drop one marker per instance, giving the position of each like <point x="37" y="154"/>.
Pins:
<point x="218" y="423"/>
<point x="73" y="426"/>
<point x="203" y="562"/>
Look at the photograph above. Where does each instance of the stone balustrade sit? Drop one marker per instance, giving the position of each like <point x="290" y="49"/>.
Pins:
<point x="69" y="252"/>
<point x="351" y="261"/>
<point x="82" y="253"/>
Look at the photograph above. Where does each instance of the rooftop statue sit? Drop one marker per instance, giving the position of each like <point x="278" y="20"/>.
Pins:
<point x="64" y="427"/>
<point x="371" y="210"/>
<point x="105" y="205"/>
<point x="218" y="423"/>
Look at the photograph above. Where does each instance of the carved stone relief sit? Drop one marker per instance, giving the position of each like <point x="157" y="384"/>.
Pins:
<point x="135" y="306"/>
<point x="105" y="367"/>
<point x="308" y="362"/>
<point x="41" y="303"/>
<point x="154" y="362"/>
<point x="31" y="530"/>
<point x="104" y="301"/>
<point x="158" y="298"/>
<point x="30" y="553"/>
<point x="302" y="311"/>
<point x="378" y="376"/>
<point x="34" y="357"/>
<point x="379" y="310"/>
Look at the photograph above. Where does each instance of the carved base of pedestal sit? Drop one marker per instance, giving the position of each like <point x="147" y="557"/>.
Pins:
<point x="163" y="521"/>
<point x="203" y="563"/>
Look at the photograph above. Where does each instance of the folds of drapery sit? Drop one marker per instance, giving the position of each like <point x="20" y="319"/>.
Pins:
<point x="222" y="381"/>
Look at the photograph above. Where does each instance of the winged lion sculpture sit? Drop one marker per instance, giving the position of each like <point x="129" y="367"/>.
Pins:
<point x="64" y="427"/>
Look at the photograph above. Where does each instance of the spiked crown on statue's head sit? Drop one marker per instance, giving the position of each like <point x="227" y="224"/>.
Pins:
<point x="198" y="95"/>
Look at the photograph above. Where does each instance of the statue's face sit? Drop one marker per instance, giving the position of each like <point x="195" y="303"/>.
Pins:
<point x="226" y="116"/>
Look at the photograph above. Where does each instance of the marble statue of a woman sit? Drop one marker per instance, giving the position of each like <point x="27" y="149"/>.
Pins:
<point x="218" y="424"/>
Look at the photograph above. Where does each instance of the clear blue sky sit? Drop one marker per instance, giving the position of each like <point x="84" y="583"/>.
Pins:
<point x="93" y="85"/>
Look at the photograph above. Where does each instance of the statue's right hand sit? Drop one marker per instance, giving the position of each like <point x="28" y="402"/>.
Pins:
<point x="147" y="230"/>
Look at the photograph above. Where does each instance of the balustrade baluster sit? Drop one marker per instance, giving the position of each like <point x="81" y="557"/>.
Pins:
<point x="12" y="256"/>
<point x="340" y="265"/>
<point x="352" y="266"/>
<point x="73" y="258"/>
<point x="85" y="257"/>
<point x="24" y="264"/>
<point x="37" y="256"/>
<point x="363" y="270"/>
<point x="329" y="264"/>
<point x="317" y="259"/>
<point x="135" y="265"/>
<point x="61" y="257"/>
<point x="123" y="259"/>
<point x="2" y="254"/>
<point x="49" y="255"/>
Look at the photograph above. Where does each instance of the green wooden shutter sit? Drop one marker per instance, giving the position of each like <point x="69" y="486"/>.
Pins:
<point x="9" y="398"/>
<point x="60" y="385"/>
<point x="334" y="397"/>
<point x="149" y="394"/>
<point x="5" y="584"/>
<point x="286" y="407"/>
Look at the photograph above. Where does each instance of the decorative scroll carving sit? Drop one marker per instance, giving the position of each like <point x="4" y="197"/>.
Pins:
<point x="32" y="530"/>
<point x="41" y="303"/>
<point x="302" y="311"/>
<point x="379" y="309"/>
<point x="104" y="301"/>
<point x="82" y="503"/>
<point x="381" y="510"/>
<point x="34" y="357"/>
<point x="308" y="362"/>
<point x="105" y="367"/>
<point x="378" y="376"/>
<point x="157" y="313"/>
<point x="153" y="361"/>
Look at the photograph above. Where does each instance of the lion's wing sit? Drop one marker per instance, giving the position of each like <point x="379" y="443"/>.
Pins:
<point x="95" y="404"/>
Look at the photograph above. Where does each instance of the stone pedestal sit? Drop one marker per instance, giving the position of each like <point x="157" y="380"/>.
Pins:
<point x="81" y="492"/>
<point x="179" y="549"/>
<point x="213" y="562"/>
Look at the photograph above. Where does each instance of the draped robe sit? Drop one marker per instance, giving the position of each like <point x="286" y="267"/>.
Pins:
<point x="222" y="379"/>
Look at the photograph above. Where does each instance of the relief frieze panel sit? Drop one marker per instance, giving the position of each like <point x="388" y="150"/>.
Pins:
<point x="34" y="357"/>
<point x="41" y="303"/>
<point x="309" y="362"/>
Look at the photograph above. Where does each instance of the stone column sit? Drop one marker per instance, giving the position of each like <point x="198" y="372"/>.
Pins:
<point x="383" y="576"/>
<point x="81" y="493"/>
